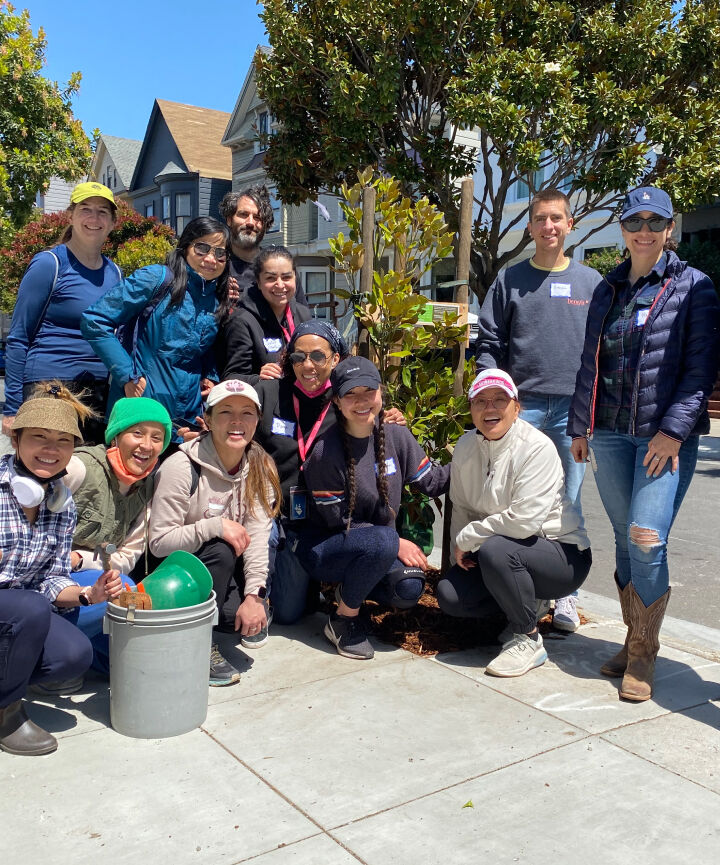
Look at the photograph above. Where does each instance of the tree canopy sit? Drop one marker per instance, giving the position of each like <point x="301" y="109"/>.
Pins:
<point x="591" y="96"/>
<point x="39" y="138"/>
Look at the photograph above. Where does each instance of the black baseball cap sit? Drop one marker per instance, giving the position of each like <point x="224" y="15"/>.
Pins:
<point x="354" y="372"/>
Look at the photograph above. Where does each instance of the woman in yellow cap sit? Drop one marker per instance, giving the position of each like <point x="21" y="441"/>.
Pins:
<point x="59" y="284"/>
<point x="37" y="519"/>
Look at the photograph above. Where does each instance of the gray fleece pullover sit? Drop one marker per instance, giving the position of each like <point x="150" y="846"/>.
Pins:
<point x="532" y="324"/>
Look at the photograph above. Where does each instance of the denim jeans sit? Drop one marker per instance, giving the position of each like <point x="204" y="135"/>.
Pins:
<point x="549" y="413"/>
<point x="630" y="498"/>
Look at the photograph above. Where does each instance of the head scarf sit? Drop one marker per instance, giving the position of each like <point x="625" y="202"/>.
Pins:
<point x="320" y="327"/>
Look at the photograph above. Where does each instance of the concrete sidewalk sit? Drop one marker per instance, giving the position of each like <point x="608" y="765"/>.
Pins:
<point x="314" y="758"/>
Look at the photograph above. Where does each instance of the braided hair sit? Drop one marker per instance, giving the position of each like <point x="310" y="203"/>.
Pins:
<point x="381" y="476"/>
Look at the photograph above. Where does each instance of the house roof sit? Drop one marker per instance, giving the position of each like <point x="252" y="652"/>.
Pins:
<point x="248" y="94"/>
<point x="197" y="133"/>
<point x="124" y="153"/>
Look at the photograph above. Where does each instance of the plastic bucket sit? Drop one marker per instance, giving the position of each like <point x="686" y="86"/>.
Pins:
<point x="159" y="668"/>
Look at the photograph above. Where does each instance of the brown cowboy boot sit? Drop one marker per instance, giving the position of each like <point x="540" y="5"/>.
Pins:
<point x="643" y="646"/>
<point x="615" y="666"/>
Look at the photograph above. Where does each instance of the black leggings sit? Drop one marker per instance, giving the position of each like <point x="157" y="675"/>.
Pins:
<point x="510" y="574"/>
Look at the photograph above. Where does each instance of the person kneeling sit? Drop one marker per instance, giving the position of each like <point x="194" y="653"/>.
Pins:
<point x="38" y="517"/>
<point x="217" y="497"/>
<point x="517" y="535"/>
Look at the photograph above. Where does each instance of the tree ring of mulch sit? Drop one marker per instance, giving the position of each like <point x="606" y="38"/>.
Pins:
<point x="425" y="630"/>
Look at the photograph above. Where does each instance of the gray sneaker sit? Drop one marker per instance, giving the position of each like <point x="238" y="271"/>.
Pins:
<point x="542" y="608"/>
<point x="518" y="656"/>
<point x="347" y="633"/>
<point x="222" y="672"/>
<point x="565" y="615"/>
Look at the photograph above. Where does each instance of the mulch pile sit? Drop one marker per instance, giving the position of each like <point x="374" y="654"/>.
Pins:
<point x="426" y="630"/>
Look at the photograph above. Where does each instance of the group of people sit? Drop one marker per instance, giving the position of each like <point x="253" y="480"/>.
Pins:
<point x="242" y="430"/>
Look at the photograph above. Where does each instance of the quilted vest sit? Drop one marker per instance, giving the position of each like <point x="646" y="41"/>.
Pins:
<point x="103" y="513"/>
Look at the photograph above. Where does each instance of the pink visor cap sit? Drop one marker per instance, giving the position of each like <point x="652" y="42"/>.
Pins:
<point x="493" y="378"/>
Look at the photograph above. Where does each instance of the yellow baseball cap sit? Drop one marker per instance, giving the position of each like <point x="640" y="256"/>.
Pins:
<point x="88" y="190"/>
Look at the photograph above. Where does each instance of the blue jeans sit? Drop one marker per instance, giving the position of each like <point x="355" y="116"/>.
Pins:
<point x="549" y="413"/>
<point x="631" y="499"/>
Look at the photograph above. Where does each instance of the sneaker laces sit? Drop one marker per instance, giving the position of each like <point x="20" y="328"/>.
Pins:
<point x="565" y="606"/>
<point x="215" y="656"/>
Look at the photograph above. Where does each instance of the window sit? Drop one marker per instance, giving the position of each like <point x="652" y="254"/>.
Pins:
<point x="150" y="209"/>
<point x="182" y="211"/>
<point x="520" y="191"/>
<point x="166" y="209"/>
<point x="263" y="127"/>
<point x="340" y="212"/>
<point x="276" y="205"/>
<point x="114" y="179"/>
<point x="312" y="221"/>
<point x="317" y="293"/>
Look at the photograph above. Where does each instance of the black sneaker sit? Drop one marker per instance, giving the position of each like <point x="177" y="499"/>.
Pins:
<point x="222" y="672"/>
<point x="348" y="635"/>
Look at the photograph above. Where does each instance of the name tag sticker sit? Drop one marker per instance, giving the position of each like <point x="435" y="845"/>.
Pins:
<point x="641" y="317"/>
<point x="390" y="467"/>
<point x="298" y="503"/>
<point x="560" y="289"/>
<point x="282" y="427"/>
<point x="272" y="343"/>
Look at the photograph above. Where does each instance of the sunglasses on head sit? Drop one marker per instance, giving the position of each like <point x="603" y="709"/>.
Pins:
<point x="316" y="356"/>
<point x="203" y="249"/>
<point x="654" y="223"/>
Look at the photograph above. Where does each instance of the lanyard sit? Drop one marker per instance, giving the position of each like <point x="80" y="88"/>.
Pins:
<point x="302" y="447"/>
<point x="287" y="333"/>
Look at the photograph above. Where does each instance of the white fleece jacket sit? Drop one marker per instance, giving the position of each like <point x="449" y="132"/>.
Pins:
<point x="513" y="487"/>
<point x="181" y="522"/>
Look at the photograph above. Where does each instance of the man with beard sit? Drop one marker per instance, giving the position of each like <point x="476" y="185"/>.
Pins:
<point x="248" y="215"/>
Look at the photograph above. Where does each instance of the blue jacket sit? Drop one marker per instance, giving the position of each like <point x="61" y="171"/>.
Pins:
<point x="678" y="361"/>
<point x="174" y="345"/>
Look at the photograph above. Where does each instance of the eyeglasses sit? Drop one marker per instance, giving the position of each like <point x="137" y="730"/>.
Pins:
<point x="316" y="357"/>
<point x="219" y="253"/>
<point x="499" y="403"/>
<point x="654" y="223"/>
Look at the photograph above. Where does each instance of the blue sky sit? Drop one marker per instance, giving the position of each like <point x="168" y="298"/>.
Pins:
<point x="133" y="51"/>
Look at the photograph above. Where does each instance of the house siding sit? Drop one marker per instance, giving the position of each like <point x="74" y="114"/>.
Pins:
<point x="210" y="193"/>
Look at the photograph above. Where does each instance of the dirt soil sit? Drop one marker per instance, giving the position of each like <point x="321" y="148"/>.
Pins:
<point x="426" y="630"/>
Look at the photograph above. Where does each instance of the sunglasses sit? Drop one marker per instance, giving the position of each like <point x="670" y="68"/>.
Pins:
<point x="316" y="357"/>
<point x="499" y="403"/>
<point x="654" y="223"/>
<point x="219" y="253"/>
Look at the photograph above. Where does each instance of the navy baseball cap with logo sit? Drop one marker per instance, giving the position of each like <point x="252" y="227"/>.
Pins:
<point x="647" y="198"/>
<point x="354" y="372"/>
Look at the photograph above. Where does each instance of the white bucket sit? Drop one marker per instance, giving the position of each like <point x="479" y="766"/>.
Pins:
<point x="159" y="668"/>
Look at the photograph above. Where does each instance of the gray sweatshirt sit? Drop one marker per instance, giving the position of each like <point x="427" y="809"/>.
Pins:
<point x="532" y="324"/>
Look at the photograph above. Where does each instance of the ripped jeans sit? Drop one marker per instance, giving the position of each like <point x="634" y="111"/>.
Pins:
<point x="634" y="502"/>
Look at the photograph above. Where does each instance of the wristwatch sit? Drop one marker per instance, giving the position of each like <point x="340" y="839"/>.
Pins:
<point x="83" y="598"/>
<point x="260" y="593"/>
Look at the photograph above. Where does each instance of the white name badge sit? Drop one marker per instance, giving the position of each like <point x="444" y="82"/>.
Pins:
<point x="282" y="427"/>
<point x="272" y="343"/>
<point x="641" y="317"/>
<point x="560" y="289"/>
<point x="390" y="467"/>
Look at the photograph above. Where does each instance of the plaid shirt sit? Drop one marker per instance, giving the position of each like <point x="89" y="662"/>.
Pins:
<point x="35" y="557"/>
<point x="620" y="348"/>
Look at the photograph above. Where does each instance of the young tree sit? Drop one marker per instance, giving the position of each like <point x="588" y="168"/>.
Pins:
<point x="135" y="241"/>
<point x="39" y="138"/>
<point x="593" y="96"/>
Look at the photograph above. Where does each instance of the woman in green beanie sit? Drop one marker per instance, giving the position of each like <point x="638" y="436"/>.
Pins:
<point x="112" y="487"/>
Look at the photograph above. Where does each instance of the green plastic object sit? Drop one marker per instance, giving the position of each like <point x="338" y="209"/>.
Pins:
<point x="181" y="580"/>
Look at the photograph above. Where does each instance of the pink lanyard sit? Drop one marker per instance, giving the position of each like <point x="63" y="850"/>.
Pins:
<point x="287" y="333"/>
<point x="302" y="447"/>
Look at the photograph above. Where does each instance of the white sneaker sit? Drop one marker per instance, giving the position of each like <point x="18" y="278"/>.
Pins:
<point x="518" y="656"/>
<point x="565" y="617"/>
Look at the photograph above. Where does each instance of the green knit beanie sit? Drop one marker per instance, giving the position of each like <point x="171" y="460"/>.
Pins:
<point x="132" y="410"/>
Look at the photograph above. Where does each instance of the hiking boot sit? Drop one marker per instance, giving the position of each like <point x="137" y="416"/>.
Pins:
<point x="518" y="656"/>
<point x="19" y="735"/>
<point x="255" y="641"/>
<point x="59" y="688"/>
<point x="222" y="672"/>
<point x="565" y="616"/>
<point x="348" y="635"/>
